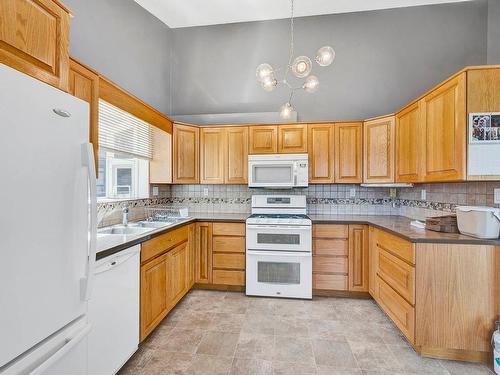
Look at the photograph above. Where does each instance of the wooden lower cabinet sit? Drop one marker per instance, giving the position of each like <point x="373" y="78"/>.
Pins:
<point x="358" y="258"/>
<point x="228" y="254"/>
<point x="203" y="253"/>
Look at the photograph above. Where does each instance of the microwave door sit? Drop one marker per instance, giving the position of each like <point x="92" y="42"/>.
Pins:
<point x="276" y="174"/>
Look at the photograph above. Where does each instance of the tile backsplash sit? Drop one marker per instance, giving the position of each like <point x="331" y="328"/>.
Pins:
<point x="322" y="199"/>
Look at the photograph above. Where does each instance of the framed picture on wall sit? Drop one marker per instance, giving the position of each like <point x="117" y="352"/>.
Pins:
<point x="484" y="127"/>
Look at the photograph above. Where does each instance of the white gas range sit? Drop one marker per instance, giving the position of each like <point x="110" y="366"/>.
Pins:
<point x="278" y="247"/>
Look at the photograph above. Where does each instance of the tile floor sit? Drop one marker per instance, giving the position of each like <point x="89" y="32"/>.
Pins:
<point x="214" y="333"/>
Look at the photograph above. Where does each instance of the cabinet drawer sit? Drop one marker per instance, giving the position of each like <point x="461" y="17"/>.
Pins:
<point x="329" y="282"/>
<point x="229" y="244"/>
<point x="400" y="311"/>
<point x="232" y="261"/>
<point x="330" y="265"/>
<point x="325" y="246"/>
<point x="228" y="229"/>
<point x="398" y="274"/>
<point x="163" y="242"/>
<point x="225" y="277"/>
<point x="330" y="231"/>
<point x="397" y="246"/>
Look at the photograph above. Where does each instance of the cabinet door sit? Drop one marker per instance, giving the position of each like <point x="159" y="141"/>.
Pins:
<point x="212" y="152"/>
<point x="34" y="39"/>
<point x="203" y="257"/>
<point x="263" y="139"/>
<point x="408" y="144"/>
<point x="237" y="155"/>
<point x="155" y="293"/>
<point x="444" y="125"/>
<point x="378" y="150"/>
<point x="84" y="84"/>
<point x="321" y="147"/>
<point x="358" y="258"/>
<point x="160" y="166"/>
<point x="348" y="152"/>
<point x="185" y="154"/>
<point x="292" y="139"/>
<point x="178" y="272"/>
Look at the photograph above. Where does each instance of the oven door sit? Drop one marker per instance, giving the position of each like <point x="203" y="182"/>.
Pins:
<point x="279" y="274"/>
<point x="272" y="174"/>
<point x="279" y="237"/>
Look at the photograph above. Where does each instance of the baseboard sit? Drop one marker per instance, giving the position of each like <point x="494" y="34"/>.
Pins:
<point x="341" y="293"/>
<point x="224" y="288"/>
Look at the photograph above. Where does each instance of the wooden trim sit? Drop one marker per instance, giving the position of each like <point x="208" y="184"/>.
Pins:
<point x="224" y="288"/>
<point x="115" y="95"/>
<point x="455" y="354"/>
<point x="341" y="293"/>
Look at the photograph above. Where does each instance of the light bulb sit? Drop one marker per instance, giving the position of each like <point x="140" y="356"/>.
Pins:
<point x="286" y="111"/>
<point x="311" y="85"/>
<point x="263" y="72"/>
<point x="325" y="56"/>
<point x="269" y="84"/>
<point x="301" y="66"/>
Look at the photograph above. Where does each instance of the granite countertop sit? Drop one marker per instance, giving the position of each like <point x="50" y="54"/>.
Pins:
<point x="398" y="225"/>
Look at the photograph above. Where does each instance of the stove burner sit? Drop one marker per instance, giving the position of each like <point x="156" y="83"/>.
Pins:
<point x="278" y="216"/>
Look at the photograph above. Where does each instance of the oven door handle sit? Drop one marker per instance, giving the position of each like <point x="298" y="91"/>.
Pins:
<point x="296" y="254"/>
<point x="278" y="227"/>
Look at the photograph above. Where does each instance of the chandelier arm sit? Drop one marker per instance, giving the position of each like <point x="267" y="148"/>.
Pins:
<point x="290" y="57"/>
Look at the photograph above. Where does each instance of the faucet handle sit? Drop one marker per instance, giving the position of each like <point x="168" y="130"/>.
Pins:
<point x="125" y="209"/>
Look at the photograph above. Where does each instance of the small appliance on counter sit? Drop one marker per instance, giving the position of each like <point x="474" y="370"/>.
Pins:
<point x="278" y="171"/>
<point x="480" y="222"/>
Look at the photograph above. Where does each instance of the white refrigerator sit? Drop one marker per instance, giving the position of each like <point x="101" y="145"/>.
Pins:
<point x="47" y="228"/>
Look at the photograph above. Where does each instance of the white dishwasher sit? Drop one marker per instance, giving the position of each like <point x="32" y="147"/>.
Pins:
<point x="114" y="312"/>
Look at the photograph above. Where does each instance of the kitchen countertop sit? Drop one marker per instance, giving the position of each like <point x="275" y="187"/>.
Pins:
<point x="398" y="225"/>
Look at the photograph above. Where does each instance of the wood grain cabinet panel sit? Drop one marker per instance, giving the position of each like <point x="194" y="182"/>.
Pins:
<point x="444" y="125"/>
<point x="179" y="268"/>
<point x="228" y="261"/>
<point x="236" y="171"/>
<point x="397" y="246"/>
<point x="330" y="247"/>
<point x="372" y="262"/>
<point x="263" y="139"/>
<point x="159" y="244"/>
<point x="229" y="244"/>
<point x="358" y="258"/>
<point x="84" y="84"/>
<point x="212" y="155"/>
<point x="229" y="277"/>
<point x="292" y="139"/>
<point x="349" y="152"/>
<point x="203" y="256"/>
<point x="398" y="274"/>
<point x="34" y="39"/>
<point x="330" y="264"/>
<point x="330" y="231"/>
<point x="321" y="146"/>
<point x="228" y="229"/>
<point x="186" y="141"/>
<point x="330" y="282"/>
<point x="378" y="150"/>
<point x="408" y="144"/>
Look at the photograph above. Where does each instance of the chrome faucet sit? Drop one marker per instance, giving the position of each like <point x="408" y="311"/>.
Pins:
<point x="125" y="211"/>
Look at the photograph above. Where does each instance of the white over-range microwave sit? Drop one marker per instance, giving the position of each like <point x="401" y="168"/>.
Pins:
<point x="278" y="171"/>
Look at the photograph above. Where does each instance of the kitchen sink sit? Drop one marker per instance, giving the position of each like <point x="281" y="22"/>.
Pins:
<point x="154" y="224"/>
<point x="121" y="229"/>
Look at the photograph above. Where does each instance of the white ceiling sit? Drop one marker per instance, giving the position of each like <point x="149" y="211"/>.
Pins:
<point x="186" y="13"/>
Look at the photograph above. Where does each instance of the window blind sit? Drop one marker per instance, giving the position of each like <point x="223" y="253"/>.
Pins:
<point x="122" y="132"/>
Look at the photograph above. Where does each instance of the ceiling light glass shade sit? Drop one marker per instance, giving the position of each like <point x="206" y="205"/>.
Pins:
<point x="286" y="111"/>
<point x="269" y="84"/>
<point x="264" y="71"/>
<point x="325" y="56"/>
<point x="302" y="66"/>
<point x="311" y="85"/>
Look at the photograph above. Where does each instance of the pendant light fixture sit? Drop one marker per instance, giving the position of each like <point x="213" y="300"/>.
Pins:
<point x="300" y="67"/>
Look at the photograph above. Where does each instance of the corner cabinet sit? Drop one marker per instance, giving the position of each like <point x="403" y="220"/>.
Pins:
<point x="378" y="150"/>
<point x="321" y="146"/>
<point x="408" y="144"/>
<point x="349" y="152"/>
<point x="444" y="125"/>
<point x="186" y="143"/>
<point x="34" y="39"/>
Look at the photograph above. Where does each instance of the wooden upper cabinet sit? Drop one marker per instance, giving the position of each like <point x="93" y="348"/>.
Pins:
<point x="34" y="39"/>
<point x="378" y="150"/>
<point x="212" y="155"/>
<point x="160" y="166"/>
<point x="236" y="155"/>
<point x="263" y="139"/>
<point x="84" y="84"/>
<point x="185" y="154"/>
<point x="321" y="147"/>
<point x="349" y="152"/>
<point x="358" y="258"/>
<point x="444" y="125"/>
<point x="292" y="139"/>
<point x="408" y="144"/>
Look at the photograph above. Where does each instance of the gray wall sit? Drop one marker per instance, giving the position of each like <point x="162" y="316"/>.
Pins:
<point x="126" y="44"/>
<point x="384" y="60"/>
<point x="494" y="32"/>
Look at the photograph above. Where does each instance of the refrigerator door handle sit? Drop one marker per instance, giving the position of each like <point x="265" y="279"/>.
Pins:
<point x="87" y="281"/>
<point x="66" y="348"/>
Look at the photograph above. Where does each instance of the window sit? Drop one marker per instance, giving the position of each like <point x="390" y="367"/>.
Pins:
<point x="125" y="148"/>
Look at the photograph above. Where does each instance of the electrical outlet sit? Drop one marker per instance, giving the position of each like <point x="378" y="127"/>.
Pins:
<point x="155" y="191"/>
<point x="392" y="193"/>
<point x="497" y="196"/>
<point x="423" y="194"/>
<point x="352" y="193"/>
<point x="205" y="192"/>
